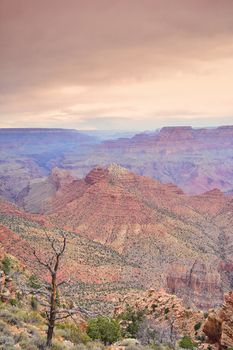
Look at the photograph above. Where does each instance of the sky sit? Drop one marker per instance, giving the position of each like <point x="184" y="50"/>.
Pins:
<point x="116" y="64"/>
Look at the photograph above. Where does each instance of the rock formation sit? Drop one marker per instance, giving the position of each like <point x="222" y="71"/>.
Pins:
<point x="219" y="325"/>
<point x="165" y="314"/>
<point x="226" y="316"/>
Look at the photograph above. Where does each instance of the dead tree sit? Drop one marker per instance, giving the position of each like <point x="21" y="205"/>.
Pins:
<point x="50" y="290"/>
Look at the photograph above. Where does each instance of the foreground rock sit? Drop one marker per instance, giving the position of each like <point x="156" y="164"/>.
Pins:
<point x="165" y="314"/>
<point x="219" y="325"/>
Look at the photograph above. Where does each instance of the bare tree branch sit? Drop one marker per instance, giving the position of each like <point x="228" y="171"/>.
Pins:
<point x="63" y="247"/>
<point x="63" y="282"/>
<point x="52" y="242"/>
<point x="45" y="264"/>
<point x="62" y="317"/>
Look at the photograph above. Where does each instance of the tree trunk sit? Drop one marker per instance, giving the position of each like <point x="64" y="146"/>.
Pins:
<point x="50" y="335"/>
<point x="52" y="312"/>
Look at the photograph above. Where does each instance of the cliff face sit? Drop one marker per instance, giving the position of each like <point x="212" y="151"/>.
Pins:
<point x="36" y="197"/>
<point x="197" y="283"/>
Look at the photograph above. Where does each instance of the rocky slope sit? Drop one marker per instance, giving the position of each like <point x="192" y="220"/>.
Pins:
<point x="165" y="314"/>
<point x="181" y="242"/>
<point x="164" y="320"/>
<point x="96" y="274"/>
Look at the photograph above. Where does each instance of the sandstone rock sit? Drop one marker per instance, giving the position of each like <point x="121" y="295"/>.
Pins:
<point x="5" y="295"/>
<point x="9" y="284"/>
<point x="213" y="328"/>
<point x="219" y="325"/>
<point x="7" y="290"/>
<point x="2" y="280"/>
<point x="165" y="313"/>
<point x="226" y="315"/>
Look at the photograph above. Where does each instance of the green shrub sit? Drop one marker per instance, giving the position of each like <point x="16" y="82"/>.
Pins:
<point x="58" y="345"/>
<point x="27" y="344"/>
<point x="13" y="302"/>
<point x="166" y="311"/>
<point x="34" y="303"/>
<point x="31" y="343"/>
<point x="197" y="326"/>
<point x="34" y="282"/>
<point x="7" y="265"/>
<point x="69" y="331"/>
<point x="133" y="320"/>
<point x="10" y="317"/>
<point x="104" y="329"/>
<point x="187" y="343"/>
<point x="32" y="317"/>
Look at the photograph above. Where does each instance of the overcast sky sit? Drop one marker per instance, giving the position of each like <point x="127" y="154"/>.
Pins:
<point x="116" y="64"/>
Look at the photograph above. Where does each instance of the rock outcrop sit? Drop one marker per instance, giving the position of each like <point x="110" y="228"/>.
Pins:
<point x="7" y="290"/>
<point x="226" y="315"/>
<point x="165" y="314"/>
<point x="219" y="325"/>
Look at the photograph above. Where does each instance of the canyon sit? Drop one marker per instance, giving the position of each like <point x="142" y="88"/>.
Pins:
<point x="196" y="160"/>
<point x="127" y="232"/>
<point x="152" y="210"/>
